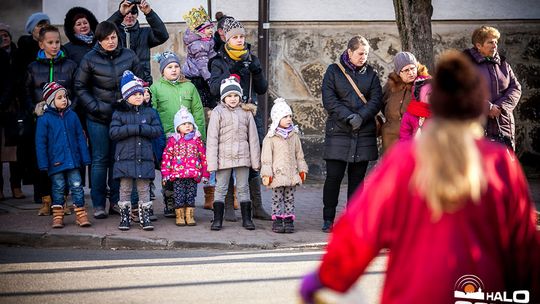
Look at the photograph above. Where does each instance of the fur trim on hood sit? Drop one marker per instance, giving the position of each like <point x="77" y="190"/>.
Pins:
<point x="249" y="107"/>
<point x="395" y="84"/>
<point x="69" y="22"/>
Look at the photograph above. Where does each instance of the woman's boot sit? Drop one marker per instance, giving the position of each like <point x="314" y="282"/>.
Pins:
<point x="256" y="200"/>
<point x="209" y="197"/>
<point x="245" y="208"/>
<point x="180" y="216"/>
<point x="190" y="216"/>
<point x="82" y="217"/>
<point x="217" y="223"/>
<point x="58" y="217"/>
<point x="45" y="206"/>
<point x="125" y="215"/>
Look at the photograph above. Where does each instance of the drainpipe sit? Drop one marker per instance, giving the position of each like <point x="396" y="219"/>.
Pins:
<point x="209" y="6"/>
<point x="263" y="46"/>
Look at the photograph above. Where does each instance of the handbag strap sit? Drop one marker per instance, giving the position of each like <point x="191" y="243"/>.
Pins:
<point x="355" y="87"/>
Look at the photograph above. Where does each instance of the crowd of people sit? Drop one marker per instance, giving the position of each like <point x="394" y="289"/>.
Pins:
<point x="93" y="102"/>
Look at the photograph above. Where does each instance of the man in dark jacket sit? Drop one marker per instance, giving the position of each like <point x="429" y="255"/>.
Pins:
<point x="140" y="39"/>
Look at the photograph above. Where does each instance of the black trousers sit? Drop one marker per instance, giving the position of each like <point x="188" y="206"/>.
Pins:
<point x="335" y="170"/>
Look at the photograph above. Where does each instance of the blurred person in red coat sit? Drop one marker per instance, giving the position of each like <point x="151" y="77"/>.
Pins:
<point x="453" y="208"/>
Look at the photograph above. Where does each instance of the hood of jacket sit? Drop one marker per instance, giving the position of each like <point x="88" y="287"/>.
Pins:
<point x="69" y="23"/>
<point x="41" y="57"/>
<point x="395" y="84"/>
<point x="190" y="37"/>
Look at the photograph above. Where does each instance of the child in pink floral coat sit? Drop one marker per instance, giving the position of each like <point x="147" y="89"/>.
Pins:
<point x="184" y="164"/>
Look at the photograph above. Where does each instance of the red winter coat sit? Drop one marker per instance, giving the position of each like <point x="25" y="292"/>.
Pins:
<point x="495" y="240"/>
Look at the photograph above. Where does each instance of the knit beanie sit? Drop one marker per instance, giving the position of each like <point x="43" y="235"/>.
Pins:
<point x="165" y="58"/>
<point x="6" y="28"/>
<point x="130" y="84"/>
<point x="49" y="92"/>
<point x="229" y="86"/>
<point x="403" y="59"/>
<point x="458" y="90"/>
<point x="33" y="20"/>
<point x="183" y="116"/>
<point x="232" y="27"/>
<point x="279" y="110"/>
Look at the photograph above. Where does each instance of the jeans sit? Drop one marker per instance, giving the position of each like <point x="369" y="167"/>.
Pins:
<point x="222" y="184"/>
<point x="335" y="170"/>
<point x="102" y="165"/>
<point x="73" y="178"/>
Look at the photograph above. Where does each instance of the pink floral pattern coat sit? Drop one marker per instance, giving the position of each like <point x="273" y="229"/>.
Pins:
<point x="184" y="159"/>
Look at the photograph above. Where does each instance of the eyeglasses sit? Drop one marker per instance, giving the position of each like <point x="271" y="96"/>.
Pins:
<point x="406" y="71"/>
<point x="131" y="12"/>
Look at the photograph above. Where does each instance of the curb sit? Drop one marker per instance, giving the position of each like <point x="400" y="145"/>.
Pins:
<point x="92" y="241"/>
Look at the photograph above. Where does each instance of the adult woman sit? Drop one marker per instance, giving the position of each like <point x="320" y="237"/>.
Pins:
<point x="79" y="26"/>
<point x="350" y="133"/>
<point x="504" y="88"/>
<point x="397" y="94"/>
<point x="98" y="85"/>
<point x="447" y="205"/>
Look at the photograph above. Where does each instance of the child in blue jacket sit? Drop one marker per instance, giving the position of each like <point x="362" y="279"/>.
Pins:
<point x="61" y="150"/>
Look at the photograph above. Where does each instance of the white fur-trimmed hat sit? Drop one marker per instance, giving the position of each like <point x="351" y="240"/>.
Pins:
<point x="279" y="110"/>
<point x="182" y="116"/>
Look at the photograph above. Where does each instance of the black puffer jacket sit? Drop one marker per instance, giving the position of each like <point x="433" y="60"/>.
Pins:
<point x="340" y="100"/>
<point x="222" y="66"/>
<point x="97" y="82"/>
<point x="76" y="48"/>
<point x="133" y="128"/>
<point x="142" y="39"/>
<point x="44" y="70"/>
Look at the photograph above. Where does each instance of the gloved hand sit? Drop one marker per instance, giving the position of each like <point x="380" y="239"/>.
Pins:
<point x="266" y="180"/>
<point x="355" y="120"/>
<point x="303" y="176"/>
<point x="239" y="67"/>
<point x="309" y="286"/>
<point x="255" y="66"/>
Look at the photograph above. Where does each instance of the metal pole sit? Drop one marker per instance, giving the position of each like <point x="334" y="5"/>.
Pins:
<point x="209" y="5"/>
<point x="263" y="51"/>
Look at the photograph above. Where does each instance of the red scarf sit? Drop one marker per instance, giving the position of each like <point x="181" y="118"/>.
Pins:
<point x="419" y="109"/>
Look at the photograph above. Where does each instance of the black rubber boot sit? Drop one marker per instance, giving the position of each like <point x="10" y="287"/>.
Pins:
<point x="247" y="223"/>
<point x="256" y="199"/>
<point x="217" y="223"/>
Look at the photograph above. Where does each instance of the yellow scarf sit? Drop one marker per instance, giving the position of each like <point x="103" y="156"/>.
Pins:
<point x="235" y="53"/>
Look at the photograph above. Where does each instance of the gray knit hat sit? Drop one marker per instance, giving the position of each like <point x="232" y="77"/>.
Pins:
<point x="232" y="27"/>
<point x="229" y="86"/>
<point x="403" y="59"/>
<point x="165" y="58"/>
<point x="33" y="20"/>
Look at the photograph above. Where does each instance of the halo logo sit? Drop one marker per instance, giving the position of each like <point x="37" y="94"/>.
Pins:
<point x="469" y="289"/>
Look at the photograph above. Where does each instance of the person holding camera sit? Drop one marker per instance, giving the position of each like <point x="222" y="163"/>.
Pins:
<point x="137" y="38"/>
<point x="235" y="57"/>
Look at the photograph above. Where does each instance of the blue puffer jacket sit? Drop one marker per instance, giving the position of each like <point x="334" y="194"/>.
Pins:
<point x="133" y="128"/>
<point x="60" y="141"/>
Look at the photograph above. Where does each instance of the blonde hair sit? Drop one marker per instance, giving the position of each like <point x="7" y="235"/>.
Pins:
<point x="483" y="33"/>
<point x="449" y="169"/>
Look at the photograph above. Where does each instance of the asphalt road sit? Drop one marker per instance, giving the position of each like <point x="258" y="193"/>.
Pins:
<point x="30" y="275"/>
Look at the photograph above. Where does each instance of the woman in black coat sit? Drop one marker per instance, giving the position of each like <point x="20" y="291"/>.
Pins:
<point x="350" y="133"/>
<point x="79" y="26"/>
<point x="97" y="84"/>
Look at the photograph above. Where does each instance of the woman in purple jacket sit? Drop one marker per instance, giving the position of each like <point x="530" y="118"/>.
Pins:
<point x="503" y="86"/>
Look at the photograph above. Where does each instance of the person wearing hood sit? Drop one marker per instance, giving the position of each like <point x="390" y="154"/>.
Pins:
<point x="80" y="27"/>
<point x="28" y="45"/>
<point x="97" y="84"/>
<point x="137" y="38"/>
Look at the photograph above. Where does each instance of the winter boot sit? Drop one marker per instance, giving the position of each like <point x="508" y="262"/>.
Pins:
<point x="153" y="217"/>
<point x="58" y="216"/>
<point x="327" y="226"/>
<point x="208" y="197"/>
<point x="277" y="224"/>
<point x="82" y="217"/>
<point x="125" y="215"/>
<point x="217" y="223"/>
<point x="168" y="199"/>
<point x="144" y="216"/>
<point x="45" y="206"/>
<point x="245" y="208"/>
<point x="190" y="216"/>
<point x="288" y="223"/>
<point x="256" y="200"/>
<point x="17" y="193"/>
<point x="235" y="202"/>
<point x="180" y="216"/>
<point x="134" y="213"/>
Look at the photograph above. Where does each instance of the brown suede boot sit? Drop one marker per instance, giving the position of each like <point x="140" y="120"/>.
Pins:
<point x="190" y="216"/>
<point x="180" y="216"/>
<point x="45" y="206"/>
<point x="17" y="193"/>
<point x="82" y="217"/>
<point x="209" y="197"/>
<point x="235" y="201"/>
<point x="58" y="217"/>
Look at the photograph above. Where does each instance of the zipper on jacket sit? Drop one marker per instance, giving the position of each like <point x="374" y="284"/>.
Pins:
<point x="51" y="70"/>
<point x="128" y="37"/>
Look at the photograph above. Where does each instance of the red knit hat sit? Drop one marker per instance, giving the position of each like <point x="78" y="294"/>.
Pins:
<point x="49" y="92"/>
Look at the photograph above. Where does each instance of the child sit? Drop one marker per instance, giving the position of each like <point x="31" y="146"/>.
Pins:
<point x="133" y="127"/>
<point x="232" y="143"/>
<point x="184" y="164"/>
<point x="418" y="110"/>
<point x="51" y="65"/>
<point x="199" y="41"/>
<point x="282" y="165"/>
<point x="61" y="150"/>
<point x="169" y="93"/>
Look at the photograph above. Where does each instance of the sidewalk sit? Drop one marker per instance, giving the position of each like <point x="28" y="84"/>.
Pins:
<point x="20" y="225"/>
